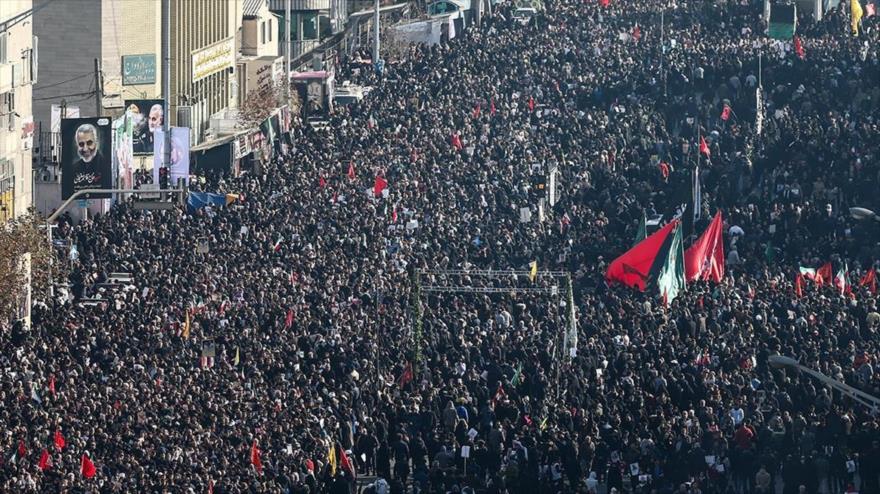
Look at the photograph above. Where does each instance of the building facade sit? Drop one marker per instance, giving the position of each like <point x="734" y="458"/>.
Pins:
<point x="123" y="38"/>
<point x="18" y="71"/>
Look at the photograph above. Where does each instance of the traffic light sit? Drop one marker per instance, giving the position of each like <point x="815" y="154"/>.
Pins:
<point x="163" y="177"/>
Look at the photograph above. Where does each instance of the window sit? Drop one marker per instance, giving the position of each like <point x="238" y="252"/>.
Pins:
<point x="310" y="26"/>
<point x="3" y="47"/>
<point x="263" y="32"/>
<point x="270" y="29"/>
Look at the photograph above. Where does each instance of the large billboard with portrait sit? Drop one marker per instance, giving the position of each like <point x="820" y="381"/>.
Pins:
<point x="123" y="160"/>
<point x="147" y="116"/>
<point x="179" y="155"/>
<point x="86" y="156"/>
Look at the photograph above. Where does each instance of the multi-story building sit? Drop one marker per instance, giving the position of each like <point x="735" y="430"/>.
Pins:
<point x="124" y="39"/>
<point x="18" y="71"/>
<point x="311" y="21"/>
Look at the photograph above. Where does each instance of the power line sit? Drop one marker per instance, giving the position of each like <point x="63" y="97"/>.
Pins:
<point x="64" y="82"/>
<point x="61" y="96"/>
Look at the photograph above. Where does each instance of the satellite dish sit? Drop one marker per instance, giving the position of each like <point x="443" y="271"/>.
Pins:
<point x="862" y="213"/>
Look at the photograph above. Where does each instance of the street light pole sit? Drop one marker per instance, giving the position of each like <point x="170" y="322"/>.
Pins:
<point x="872" y="402"/>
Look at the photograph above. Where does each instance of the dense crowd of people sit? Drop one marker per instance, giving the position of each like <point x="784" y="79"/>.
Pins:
<point x="238" y="369"/>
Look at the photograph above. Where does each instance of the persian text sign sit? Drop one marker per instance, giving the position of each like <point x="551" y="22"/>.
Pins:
<point x="212" y="59"/>
<point x="138" y="69"/>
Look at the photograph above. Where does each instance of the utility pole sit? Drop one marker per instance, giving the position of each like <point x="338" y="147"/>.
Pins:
<point x="287" y="52"/>
<point x="99" y="89"/>
<point x="376" y="35"/>
<point x="166" y="83"/>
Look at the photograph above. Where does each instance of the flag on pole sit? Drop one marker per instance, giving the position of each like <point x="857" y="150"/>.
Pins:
<point x="840" y="279"/>
<point x="636" y="266"/>
<point x="725" y="113"/>
<point x="44" y="460"/>
<point x="869" y="280"/>
<point x="58" y="439"/>
<point x="288" y="320"/>
<point x="642" y="230"/>
<point x="517" y="376"/>
<point x="331" y="460"/>
<point x="671" y="280"/>
<point x="379" y="185"/>
<point x="406" y="376"/>
<point x="696" y="195"/>
<point x="799" y="48"/>
<point x="636" y="33"/>
<point x="533" y="271"/>
<point x="456" y="142"/>
<point x="476" y="111"/>
<point x="344" y="462"/>
<point x="255" y="458"/>
<point x="704" y="260"/>
<point x="87" y="468"/>
<point x="492" y="107"/>
<point x="810" y="274"/>
<point x="351" y="173"/>
<point x="52" y="384"/>
<point x="321" y="181"/>
<point x="704" y="147"/>
<point x="277" y="246"/>
<point x="824" y="274"/>
<point x="856" y="10"/>
<point x="531" y="103"/>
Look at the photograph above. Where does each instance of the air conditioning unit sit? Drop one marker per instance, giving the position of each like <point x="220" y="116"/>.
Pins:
<point x="184" y="116"/>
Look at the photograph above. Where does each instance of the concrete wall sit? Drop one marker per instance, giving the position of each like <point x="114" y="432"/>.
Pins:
<point x="70" y="40"/>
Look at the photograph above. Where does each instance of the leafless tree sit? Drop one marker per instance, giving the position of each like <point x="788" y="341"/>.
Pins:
<point x="260" y="103"/>
<point x="24" y="250"/>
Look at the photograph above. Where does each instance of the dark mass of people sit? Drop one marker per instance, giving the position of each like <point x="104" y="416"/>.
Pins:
<point x="255" y="339"/>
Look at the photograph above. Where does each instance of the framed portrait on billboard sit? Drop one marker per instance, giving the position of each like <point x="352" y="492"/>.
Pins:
<point x="86" y="156"/>
<point x="147" y="116"/>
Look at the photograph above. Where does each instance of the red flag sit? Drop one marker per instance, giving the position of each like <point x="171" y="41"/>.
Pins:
<point x="799" y="285"/>
<point x="531" y="104"/>
<point x="499" y="394"/>
<point x="799" y="48"/>
<point x="456" y="142"/>
<point x="52" y="384"/>
<point x="870" y="279"/>
<point x="477" y="111"/>
<point x="321" y="182"/>
<point x="394" y="215"/>
<point x="870" y="10"/>
<point x="310" y="465"/>
<point x="824" y="274"/>
<point x="407" y="375"/>
<point x="211" y="486"/>
<point x="492" y="107"/>
<point x="704" y="146"/>
<point x="87" y="468"/>
<point x="634" y="266"/>
<point x="351" y="173"/>
<point x="637" y="33"/>
<point x="44" y="460"/>
<point x="22" y="451"/>
<point x="59" y="440"/>
<point x="704" y="260"/>
<point x="725" y="113"/>
<point x="344" y="461"/>
<point x="664" y="170"/>
<point x="379" y="185"/>
<point x="255" y="458"/>
<point x="288" y="321"/>
<point x="605" y="3"/>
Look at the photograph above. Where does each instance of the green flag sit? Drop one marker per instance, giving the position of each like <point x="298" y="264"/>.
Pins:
<point x="770" y="252"/>
<point x="642" y="232"/>
<point x="671" y="278"/>
<point x="516" y="376"/>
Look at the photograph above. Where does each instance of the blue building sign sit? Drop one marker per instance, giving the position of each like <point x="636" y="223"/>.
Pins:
<point x="138" y="69"/>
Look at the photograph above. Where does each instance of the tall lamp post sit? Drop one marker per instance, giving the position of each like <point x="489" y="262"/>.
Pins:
<point x="872" y="402"/>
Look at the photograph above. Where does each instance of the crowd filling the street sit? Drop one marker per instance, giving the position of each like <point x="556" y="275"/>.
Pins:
<point x="285" y="342"/>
